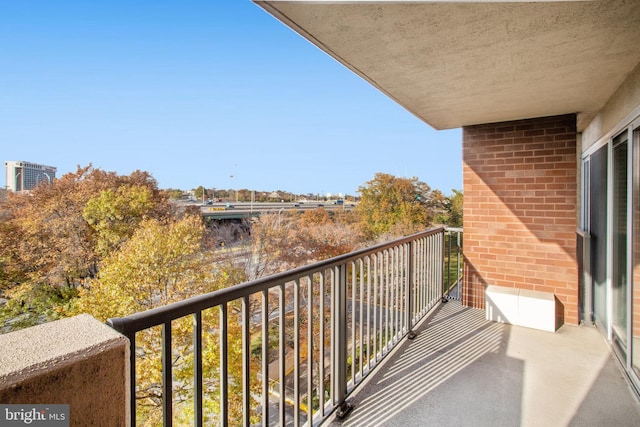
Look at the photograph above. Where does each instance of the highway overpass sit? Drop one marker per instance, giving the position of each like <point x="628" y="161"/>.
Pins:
<point x="242" y="210"/>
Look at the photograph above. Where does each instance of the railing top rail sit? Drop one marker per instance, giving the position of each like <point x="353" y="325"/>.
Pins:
<point x="133" y="323"/>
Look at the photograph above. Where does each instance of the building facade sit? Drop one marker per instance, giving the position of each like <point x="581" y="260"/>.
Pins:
<point x="24" y="176"/>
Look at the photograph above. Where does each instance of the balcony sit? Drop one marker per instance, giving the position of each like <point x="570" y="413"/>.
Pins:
<point x="362" y="339"/>
<point x="462" y="370"/>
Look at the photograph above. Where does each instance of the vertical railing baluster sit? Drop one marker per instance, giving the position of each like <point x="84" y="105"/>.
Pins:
<point x="397" y="293"/>
<point x="397" y="284"/>
<point x="380" y="303"/>
<point x="447" y="257"/>
<point x="246" y="362"/>
<point x="265" y="357"/>
<point x="167" y="376"/>
<point x="339" y="329"/>
<point x="432" y="267"/>
<point x="417" y="294"/>
<point x="132" y="378"/>
<point x="350" y="309"/>
<point x="394" y="294"/>
<point x="310" y="350"/>
<point x="321" y="337"/>
<point x="402" y="297"/>
<point x="282" y="355"/>
<point x="440" y="240"/>
<point x="376" y="308"/>
<point x="395" y="280"/>
<point x="424" y="268"/>
<point x="361" y="317"/>
<point x="434" y="280"/>
<point x="224" y="366"/>
<point x="410" y="291"/>
<point x="197" y="368"/>
<point x="368" y="269"/>
<point x="296" y="352"/>
<point x="406" y="281"/>
<point x="387" y="302"/>
<point x="333" y="307"/>
<point x="420" y="270"/>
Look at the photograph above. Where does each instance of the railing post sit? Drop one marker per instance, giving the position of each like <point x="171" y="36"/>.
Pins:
<point x="340" y="340"/>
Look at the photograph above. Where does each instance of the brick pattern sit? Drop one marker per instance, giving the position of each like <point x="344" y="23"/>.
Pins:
<point x="520" y="190"/>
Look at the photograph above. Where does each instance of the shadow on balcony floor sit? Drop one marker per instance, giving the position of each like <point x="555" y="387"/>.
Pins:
<point x="462" y="370"/>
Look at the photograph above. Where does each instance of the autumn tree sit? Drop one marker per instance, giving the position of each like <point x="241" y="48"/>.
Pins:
<point x="322" y="236"/>
<point x="164" y="262"/>
<point x="394" y="206"/>
<point x="269" y="242"/>
<point x="47" y="246"/>
<point x="282" y="241"/>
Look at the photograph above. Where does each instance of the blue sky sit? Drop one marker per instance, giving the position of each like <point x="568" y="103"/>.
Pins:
<point x="215" y="93"/>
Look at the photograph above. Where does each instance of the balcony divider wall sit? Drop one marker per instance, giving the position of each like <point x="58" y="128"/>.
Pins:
<point x="520" y="190"/>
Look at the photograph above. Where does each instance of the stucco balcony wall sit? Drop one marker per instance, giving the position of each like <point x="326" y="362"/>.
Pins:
<point x="76" y="361"/>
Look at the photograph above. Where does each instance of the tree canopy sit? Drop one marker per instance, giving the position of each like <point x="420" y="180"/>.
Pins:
<point x="54" y="238"/>
<point x="389" y="204"/>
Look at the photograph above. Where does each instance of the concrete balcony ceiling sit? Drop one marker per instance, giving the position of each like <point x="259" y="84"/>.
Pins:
<point x="461" y="63"/>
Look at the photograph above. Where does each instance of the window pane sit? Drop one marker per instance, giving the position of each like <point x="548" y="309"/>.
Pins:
<point x="620" y="278"/>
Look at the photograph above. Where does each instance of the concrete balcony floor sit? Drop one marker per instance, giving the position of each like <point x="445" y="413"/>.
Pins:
<point x="462" y="370"/>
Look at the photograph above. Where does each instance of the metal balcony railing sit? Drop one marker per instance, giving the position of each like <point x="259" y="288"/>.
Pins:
<point x="290" y="348"/>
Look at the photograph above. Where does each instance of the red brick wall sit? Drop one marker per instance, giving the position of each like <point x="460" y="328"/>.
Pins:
<point x="520" y="195"/>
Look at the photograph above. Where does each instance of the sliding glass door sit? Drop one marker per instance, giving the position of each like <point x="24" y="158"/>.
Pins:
<point x="611" y="216"/>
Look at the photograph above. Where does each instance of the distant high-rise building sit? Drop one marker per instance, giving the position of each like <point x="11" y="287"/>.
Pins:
<point x="24" y="176"/>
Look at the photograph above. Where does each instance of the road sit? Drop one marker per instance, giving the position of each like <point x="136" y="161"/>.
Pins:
<point x="221" y="210"/>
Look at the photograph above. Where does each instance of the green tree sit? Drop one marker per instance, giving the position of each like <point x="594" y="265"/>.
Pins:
<point x="392" y="205"/>
<point x="174" y="194"/>
<point x="159" y="264"/>
<point x="115" y="213"/>
<point x="200" y="193"/>
<point x="454" y="208"/>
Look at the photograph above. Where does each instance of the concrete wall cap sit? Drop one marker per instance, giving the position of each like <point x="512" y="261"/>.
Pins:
<point x="31" y="351"/>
